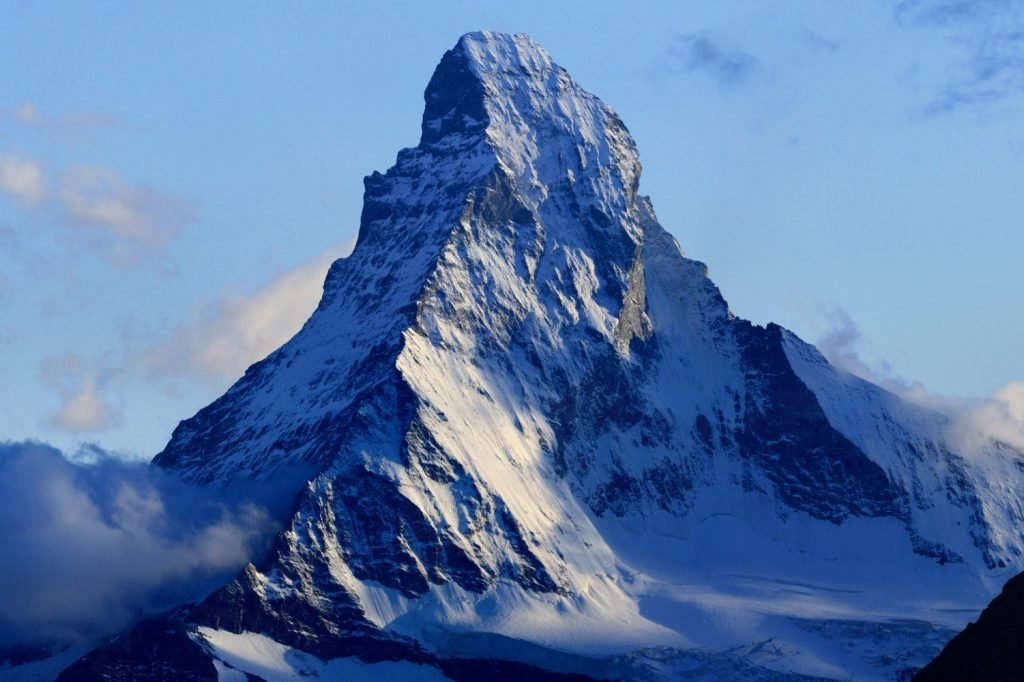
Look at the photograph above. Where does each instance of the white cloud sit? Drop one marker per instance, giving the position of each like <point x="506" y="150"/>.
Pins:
<point x="1012" y="396"/>
<point x="127" y="219"/>
<point x="83" y="408"/>
<point x="1000" y="416"/>
<point x="21" y="179"/>
<point x="231" y="333"/>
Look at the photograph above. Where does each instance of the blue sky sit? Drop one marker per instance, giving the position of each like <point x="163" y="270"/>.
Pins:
<point x="175" y="178"/>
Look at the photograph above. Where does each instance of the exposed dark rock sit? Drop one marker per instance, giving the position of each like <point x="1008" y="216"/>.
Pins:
<point x="156" y="650"/>
<point x="814" y="467"/>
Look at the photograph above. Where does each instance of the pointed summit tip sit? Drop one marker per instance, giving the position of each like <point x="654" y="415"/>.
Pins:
<point x="491" y="52"/>
<point x="455" y="98"/>
<point x="505" y="89"/>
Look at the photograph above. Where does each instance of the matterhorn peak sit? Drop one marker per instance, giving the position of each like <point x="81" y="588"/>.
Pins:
<point x="522" y="424"/>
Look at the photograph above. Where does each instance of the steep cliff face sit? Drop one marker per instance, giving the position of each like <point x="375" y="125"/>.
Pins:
<point x="521" y="413"/>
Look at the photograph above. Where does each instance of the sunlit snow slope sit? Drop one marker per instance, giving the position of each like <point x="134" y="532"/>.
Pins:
<point x="521" y="413"/>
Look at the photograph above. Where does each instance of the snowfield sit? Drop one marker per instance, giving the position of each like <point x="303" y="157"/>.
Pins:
<point x="238" y="654"/>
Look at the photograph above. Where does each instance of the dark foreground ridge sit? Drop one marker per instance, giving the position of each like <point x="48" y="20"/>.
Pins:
<point x="990" y="649"/>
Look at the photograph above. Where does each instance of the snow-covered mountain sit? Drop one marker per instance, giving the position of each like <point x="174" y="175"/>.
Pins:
<point x="522" y="426"/>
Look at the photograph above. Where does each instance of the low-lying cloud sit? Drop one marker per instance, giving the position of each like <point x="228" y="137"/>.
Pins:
<point x="92" y="545"/>
<point x="974" y="423"/>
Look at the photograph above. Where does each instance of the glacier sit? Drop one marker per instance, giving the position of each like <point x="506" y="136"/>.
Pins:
<point x="524" y="432"/>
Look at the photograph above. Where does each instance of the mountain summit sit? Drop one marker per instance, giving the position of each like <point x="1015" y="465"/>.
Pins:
<point x="523" y="433"/>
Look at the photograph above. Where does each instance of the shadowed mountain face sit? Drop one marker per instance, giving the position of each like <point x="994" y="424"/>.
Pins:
<point x="521" y="414"/>
<point x="990" y="649"/>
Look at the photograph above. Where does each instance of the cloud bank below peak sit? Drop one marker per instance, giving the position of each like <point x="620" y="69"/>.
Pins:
<point x="94" y="544"/>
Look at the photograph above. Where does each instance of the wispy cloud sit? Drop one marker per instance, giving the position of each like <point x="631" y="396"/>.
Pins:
<point x="223" y="337"/>
<point x="818" y="42"/>
<point x="30" y="114"/>
<point x="946" y="12"/>
<point x="22" y="180"/>
<point x="96" y="543"/>
<point x="990" y="36"/>
<point x="27" y="113"/>
<point x="701" y="53"/>
<point x="227" y="335"/>
<point x="127" y="220"/>
<point x="1001" y="416"/>
<point x="122" y="221"/>
<point x="843" y="345"/>
<point x="83" y="408"/>
<point x="974" y="423"/>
